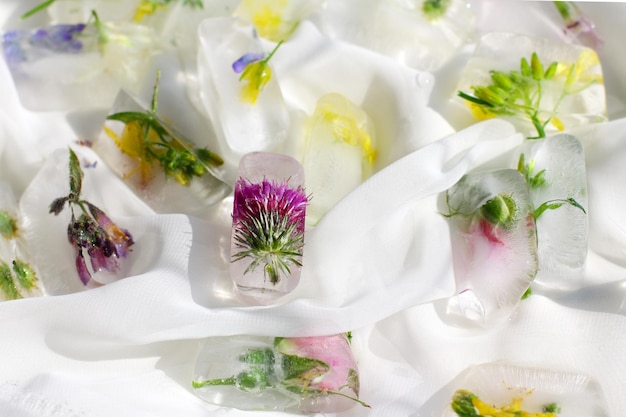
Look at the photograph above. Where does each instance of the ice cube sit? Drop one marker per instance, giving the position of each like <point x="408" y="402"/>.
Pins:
<point x="293" y="374"/>
<point x="339" y="151"/>
<point x="123" y="148"/>
<point x="494" y="244"/>
<point x="77" y="66"/>
<point x="243" y="126"/>
<point x="267" y="237"/>
<point x="421" y="34"/>
<point x="573" y="96"/>
<point x="80" y="11"/>
<point x="555" y="170"/>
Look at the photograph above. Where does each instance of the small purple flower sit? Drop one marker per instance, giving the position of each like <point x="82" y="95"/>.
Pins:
<point x="56" y="38"/>
<point x="268" y="222"/>
<point x="247" y="59"/>
<point x="93" y="233"/>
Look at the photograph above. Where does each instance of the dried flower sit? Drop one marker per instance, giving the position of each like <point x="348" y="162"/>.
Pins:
<point x="93" y="231"/>
<point x="255" y="72"/>
<point x="268" y="223"/>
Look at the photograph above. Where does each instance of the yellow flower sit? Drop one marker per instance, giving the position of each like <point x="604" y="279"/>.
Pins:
<point x="147" y="8"/>
<point x="346" y="130"/>
<point x="268" y="17"/>
<point x="132" y="144"/>
<point x="256" y="75"/>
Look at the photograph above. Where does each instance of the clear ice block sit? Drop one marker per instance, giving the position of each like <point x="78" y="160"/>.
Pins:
<point x="77" y="66"/>
<point x="267" y="237"/>
<point x="339" y="152"/>
<point x="556" y="172"/>
<point x="276" y="19"/>
<point x="494" y="244"/>
<point x="573" y="96"/>
<point x="242" y="126"/>
<point x="79" y="11"/>
<point x="123" y="147"/>
<point x="295" y="374"/>
<point x="512" y="387"/>
<point x="422" y="34"/>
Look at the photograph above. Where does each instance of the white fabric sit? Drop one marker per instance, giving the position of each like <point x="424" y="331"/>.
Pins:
<point x="379" y="263"/>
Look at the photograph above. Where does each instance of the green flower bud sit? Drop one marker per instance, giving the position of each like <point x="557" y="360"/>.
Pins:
<point x="502" y="80"/>
<point x="536" y="67"/>
<point x="490" y="95"/>
<point x="499" y="210"/>
<point x="525" y="68"/>
<point x="551" y="71"/>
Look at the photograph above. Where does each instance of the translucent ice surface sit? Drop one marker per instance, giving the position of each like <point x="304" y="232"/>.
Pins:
<point x="243" y="126"/>
<point x="340" y="148"/>
<point x="267" y="238"/>
<point x="130" y="155"/>
<point x="422" y="34"/>
<point x="556" y="172"/>
<point x="494" y="246"/>
<point x="573" y="95"/>
<point x="508" y="386"/>
<point x="77" y="66"/>
<point x="298" y="375"/>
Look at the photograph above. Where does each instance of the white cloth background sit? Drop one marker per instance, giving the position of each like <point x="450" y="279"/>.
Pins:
<point x="378" y="264"/>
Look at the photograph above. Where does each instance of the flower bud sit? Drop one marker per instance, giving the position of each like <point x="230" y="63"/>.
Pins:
<point x="499" y="210"/>
<point x="536" y="67"/>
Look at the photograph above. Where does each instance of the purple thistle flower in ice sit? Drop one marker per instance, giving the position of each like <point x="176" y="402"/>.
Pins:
<point x="93" y="232"/>
<point x="268" y="219"/>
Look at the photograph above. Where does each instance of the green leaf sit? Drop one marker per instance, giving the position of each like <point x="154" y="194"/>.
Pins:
<point x="8" y="225"/>
<point x="258" y="357"/>
<point x="435" y="9"/>
<point x="296" y="367"/>
<point x="129" y="116"/>
<point x="555" y="204"/>
<point x="76" y="176"/>
<point x="37" y="9"/>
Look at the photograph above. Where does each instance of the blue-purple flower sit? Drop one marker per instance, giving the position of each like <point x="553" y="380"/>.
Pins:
<point x="65" y="38"/>
<point x="93" y="233"/>
<point x="255" y="73"/>
<point x="269" y="220"/>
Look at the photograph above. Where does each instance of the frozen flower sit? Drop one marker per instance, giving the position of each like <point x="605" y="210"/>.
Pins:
<point x="311" y="370"/>
<point x="466" y="404"/>
<point x="268" y="223"/>
<point x="435" y="9"/>
<point x="93" y="232"/>
<point x="255" y="72"/>
<point x="578" y="27"/>
<point x="55" y="38"/>
<point x="150" y="142"/>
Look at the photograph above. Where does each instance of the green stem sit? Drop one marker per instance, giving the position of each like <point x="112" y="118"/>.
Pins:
<point x="213" y="382"/>
<point x="273" y="51"/>
<point x="155" y="93"/>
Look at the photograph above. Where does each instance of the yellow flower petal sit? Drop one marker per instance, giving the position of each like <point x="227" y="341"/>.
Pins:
<point x="146" y="8"/>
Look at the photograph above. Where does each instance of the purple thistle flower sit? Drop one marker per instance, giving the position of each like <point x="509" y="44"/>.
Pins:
<point x="247" y="59"/>
<point x="268" y="222"/>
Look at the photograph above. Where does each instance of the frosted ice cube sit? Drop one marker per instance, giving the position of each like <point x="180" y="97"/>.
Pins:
<point x="500" y="384"/>
<point x="242" y="126"/>
<point x="421" y="34"/>
<point x="566" y="101"/>
<point x="295" y="374"/>
<point x="339" y="152"/>
<point x="276" y="19"/>
<point x="558" y="174"/>
<point x="128" y="158"/>
<point x="267" y="236"/>
<point x="494" y="247"/>
<point x="77" y="66"/>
